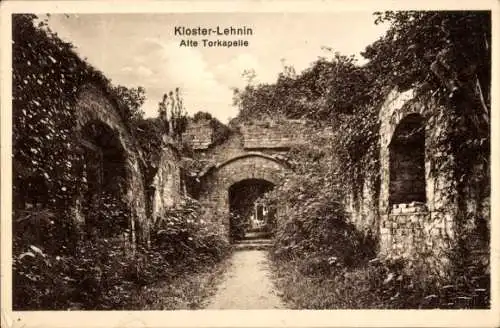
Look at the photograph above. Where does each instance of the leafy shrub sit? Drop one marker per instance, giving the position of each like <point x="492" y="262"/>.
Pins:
<point x="107" y="218"/>
<point x="50" y="282"/>
<point x="311" y="221"/>
<point x="380" y="285"/>
<point x="238" y="226"/>
<point x="104" y="273"/>
<point x="53" y="268"/>
<point x="43" y="226"/>
<point x="182" y="234"/>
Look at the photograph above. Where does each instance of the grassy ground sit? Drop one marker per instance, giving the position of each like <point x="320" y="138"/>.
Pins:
<point x="186" y="292"/>
<point x="373" y="287"/>
<point x="301" y="291"/>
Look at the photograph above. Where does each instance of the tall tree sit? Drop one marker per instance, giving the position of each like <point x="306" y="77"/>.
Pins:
<point x="172" y="112"/>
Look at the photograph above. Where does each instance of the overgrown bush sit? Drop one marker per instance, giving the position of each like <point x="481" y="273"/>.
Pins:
<point x="443" y="54"/>
<point x="311" y="221"/>
<point x="319" y="232"/>
<point x="43" y="226"/>
<point x="104" y="273"/>
<point x="182" y="234"/>
<point x="238" y="226"/>
<point x="381" y="285"/>
<point x="103" y="276"/>
<point x="58" y="263"/>
<point x="53" y="281"/>
<point x="402" y="284"/>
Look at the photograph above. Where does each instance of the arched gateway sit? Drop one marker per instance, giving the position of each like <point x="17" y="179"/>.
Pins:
<point x="231" y="188"/>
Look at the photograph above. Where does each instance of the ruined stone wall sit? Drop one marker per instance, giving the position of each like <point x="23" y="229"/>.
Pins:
<point x="414" y="207"/>
<point x="145" y="203"/>
<point x="252" y="151"/>
<point x="362" y="207"/>
<point x="199" y="134"/>
<point x="166" y="186"/>
<point x="214" y="195"/>
<point x="94" y="105"/>
<point x="416" y="226"/>
<point x="273" y="135"/>
<point x="262" y="136"/>
<point x="421" y="226"/>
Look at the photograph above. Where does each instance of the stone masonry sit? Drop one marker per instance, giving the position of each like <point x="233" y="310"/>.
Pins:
<point x="214" y="195"/>
<point x="418" y="202"/>
<point x="252" y="151"/>
<point x="412" y="208"/>
<point x="166" y="189"/>
<point x="94" y="105"/>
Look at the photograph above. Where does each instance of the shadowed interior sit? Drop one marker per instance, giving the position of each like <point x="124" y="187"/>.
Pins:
<point x="243" y="208"/>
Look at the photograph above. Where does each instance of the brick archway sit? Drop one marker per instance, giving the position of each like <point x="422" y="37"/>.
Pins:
<point x="215" y="183"/>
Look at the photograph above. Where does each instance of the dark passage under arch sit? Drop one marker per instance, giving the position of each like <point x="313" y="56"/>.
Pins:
<point x="105" y="179"/>
<point x="246" y="212"/>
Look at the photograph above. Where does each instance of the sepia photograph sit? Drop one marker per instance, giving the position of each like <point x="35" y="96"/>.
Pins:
<point x="246" y="160"/>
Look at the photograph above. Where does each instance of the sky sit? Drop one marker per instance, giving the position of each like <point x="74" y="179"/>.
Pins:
<point x="142" y="50"/>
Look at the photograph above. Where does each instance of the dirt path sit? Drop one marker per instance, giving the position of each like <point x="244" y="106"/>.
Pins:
<point x="247" y="284"/>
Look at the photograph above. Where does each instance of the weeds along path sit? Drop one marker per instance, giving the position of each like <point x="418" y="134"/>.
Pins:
<point x="247" y="284"/>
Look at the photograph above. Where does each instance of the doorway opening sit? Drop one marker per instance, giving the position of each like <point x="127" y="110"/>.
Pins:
<point x="248" y="213"/>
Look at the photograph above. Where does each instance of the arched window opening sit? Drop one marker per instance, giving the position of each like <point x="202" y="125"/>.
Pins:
<point x="105" y="178"/>
<point x="247" y="213"/>
<point x="407" y="162"/>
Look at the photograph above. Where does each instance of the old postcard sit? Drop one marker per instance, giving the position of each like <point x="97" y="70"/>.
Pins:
<point x="247" y="163"/>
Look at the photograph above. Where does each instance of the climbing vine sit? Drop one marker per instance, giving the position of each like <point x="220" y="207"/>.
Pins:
<point x="444" y="56"/>
<point x="46" y="76"/>
<point x="47" y="155"/>
<point x="56" y="178"/>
